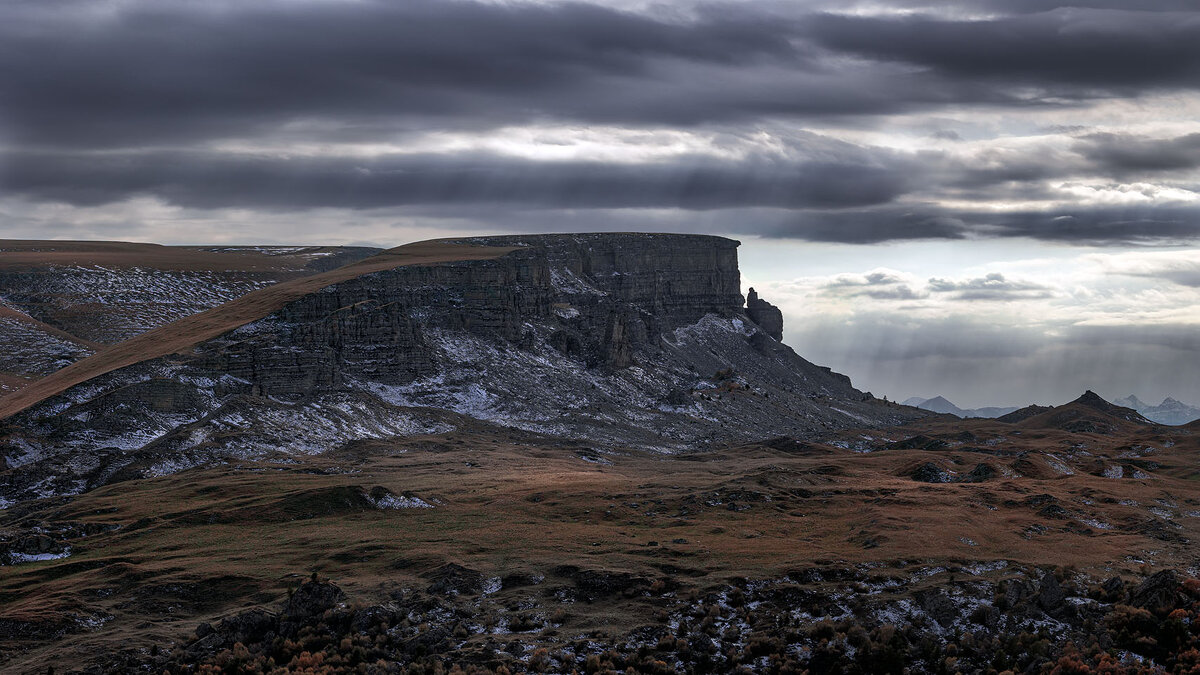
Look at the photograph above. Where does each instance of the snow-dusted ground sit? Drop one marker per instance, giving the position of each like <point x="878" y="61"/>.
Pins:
<point x="328" y="423"/>
<point x="107" y="305"/>
<point x="18" y="558"/>
<point x="391" y="501"/>
<point x="28" y="349"/>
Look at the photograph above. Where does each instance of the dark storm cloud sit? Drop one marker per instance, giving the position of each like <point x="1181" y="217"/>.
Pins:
<point x="214" y="180"/>
<point x="857" y="226"/>
<point x="1088" y="225"/>
<point x="1038" y="6"/>
<point x="1096" y="225"/>
<point x="1074" y="50"/>
<point x="854" y="200"/>
<point x="1091" y="225"/>
<point x="161" y="72"/>
<point x="1007" y="7"/>
<point x="990" y="169"/>
<point x="177" y="70"/>
<point x="1125" y="153"/>
<point x="88" y="74"/>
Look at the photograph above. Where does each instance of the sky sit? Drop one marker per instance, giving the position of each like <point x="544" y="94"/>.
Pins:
<point x="997" y="201"/>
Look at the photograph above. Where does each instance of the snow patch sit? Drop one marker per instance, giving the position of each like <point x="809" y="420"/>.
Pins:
<point x="390" y="501"/>
<point x="18" y="558"/>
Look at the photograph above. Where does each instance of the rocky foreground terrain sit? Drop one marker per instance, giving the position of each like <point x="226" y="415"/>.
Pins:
<point x="581" y="453"/>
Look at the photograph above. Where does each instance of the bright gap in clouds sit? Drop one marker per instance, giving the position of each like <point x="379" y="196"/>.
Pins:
<point x="986" y="326"/>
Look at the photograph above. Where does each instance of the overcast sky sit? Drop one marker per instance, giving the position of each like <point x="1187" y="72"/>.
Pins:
<point x="993" y="200"/>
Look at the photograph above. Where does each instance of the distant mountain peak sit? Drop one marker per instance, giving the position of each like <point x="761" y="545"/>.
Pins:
<point x="1093" y="400"/>
<point x="1130" y="401"/>
<point x="1171" y="411"/>
<point x="939" y="404"/>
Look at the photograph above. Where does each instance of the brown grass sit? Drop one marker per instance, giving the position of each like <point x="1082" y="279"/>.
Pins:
<point x="508" y="504"/>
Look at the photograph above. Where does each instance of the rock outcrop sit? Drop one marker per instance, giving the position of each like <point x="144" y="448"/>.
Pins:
<point x="635" y="340"/>
<point x="768" y="317"/>
<point x="606" y="297"/>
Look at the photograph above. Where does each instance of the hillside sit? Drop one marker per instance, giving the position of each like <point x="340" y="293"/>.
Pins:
<point x="61" y="300"/>
<point x="1089" y="413"/>
<point x="30" y="349"/>
<point x="194" y="329"/>
<point x="623" y="340"/>
<point x="482" y="544"/>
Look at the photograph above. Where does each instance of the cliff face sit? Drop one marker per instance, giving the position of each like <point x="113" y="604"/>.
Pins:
<point x="629" y="340"/>
<point x="602" y="297"/>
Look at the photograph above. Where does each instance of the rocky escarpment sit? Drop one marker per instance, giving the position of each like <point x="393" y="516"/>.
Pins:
<point x="596" y="299"/>
<point x="767" y="316"/>
<point x="629" y="340"/>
